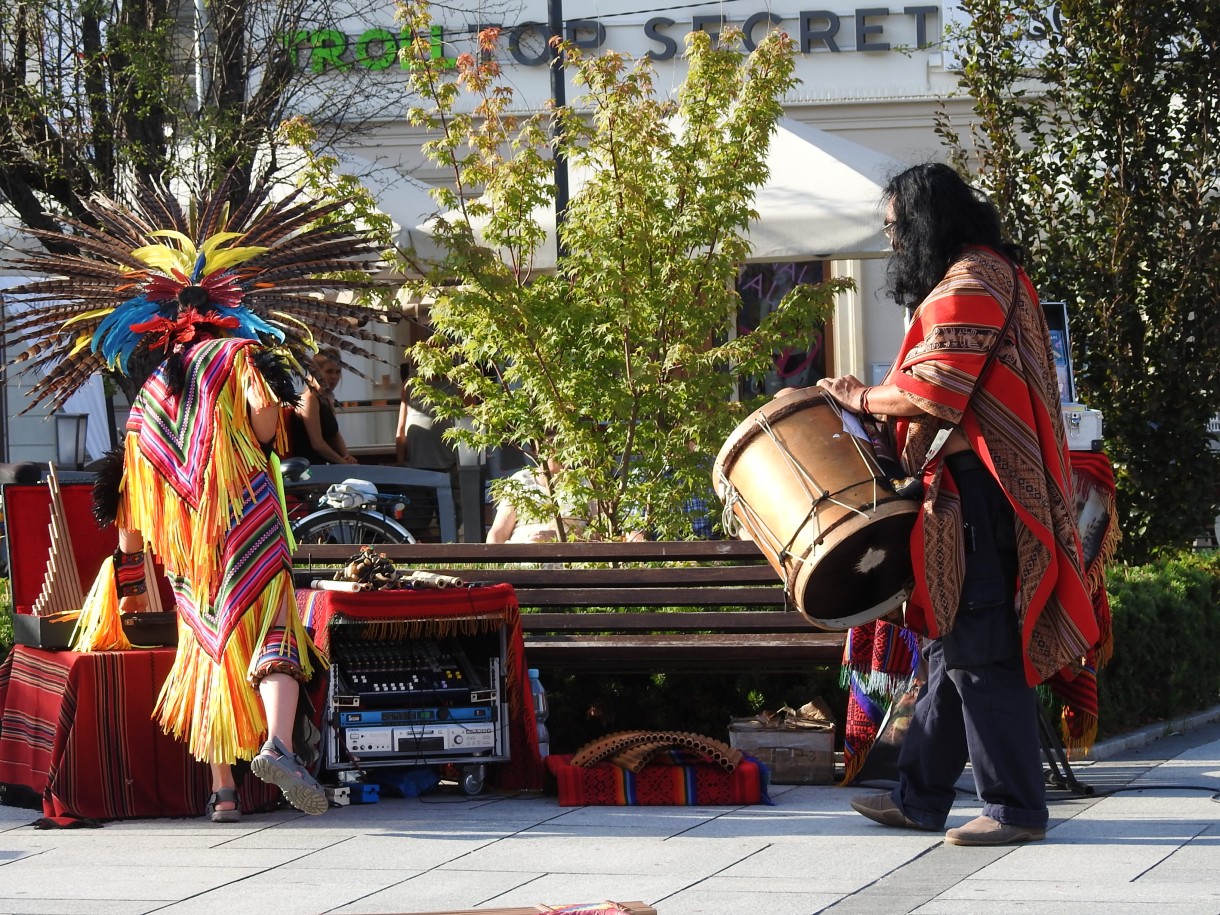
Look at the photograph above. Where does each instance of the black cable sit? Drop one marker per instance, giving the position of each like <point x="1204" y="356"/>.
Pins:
<point x="1215" y="796"/>
<point x="1076" y="795"/>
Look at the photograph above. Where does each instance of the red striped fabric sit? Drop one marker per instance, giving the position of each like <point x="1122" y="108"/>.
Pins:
<point x="77" y="730"/>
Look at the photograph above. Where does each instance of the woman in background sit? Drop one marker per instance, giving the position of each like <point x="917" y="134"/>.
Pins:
<point x="313" y="426"/>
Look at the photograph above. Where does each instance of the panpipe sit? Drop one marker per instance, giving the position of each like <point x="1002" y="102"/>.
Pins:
<point x="61" y="591"/>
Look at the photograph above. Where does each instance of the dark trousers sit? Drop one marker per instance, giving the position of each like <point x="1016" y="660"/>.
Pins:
<point x="976" y="705"/>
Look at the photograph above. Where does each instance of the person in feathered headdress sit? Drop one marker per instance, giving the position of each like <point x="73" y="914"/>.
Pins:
<point x="225" y="308"/>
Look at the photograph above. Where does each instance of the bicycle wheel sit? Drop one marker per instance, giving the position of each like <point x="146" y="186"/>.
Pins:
<point x="342" y="526"/>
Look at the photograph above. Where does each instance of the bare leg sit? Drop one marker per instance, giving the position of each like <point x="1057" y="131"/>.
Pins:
<point x="276" y="763"/>
<point x="279" y="693"/>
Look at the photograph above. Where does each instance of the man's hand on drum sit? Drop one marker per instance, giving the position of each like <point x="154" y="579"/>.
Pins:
<point x="848" y="390"/>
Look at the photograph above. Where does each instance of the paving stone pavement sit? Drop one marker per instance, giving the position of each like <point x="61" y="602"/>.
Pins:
<point x="1146" y="840"/>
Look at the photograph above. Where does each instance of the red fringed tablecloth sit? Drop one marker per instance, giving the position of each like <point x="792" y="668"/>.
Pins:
<point x="446" y="612"/>
<point x="77" y="731"/>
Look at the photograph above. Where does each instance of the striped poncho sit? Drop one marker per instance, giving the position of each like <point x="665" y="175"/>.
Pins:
<point x="1014" y="424"/>
<point x="203" y="493"/>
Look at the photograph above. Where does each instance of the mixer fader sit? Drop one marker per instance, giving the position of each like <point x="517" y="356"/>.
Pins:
<point x="377" y="674"/>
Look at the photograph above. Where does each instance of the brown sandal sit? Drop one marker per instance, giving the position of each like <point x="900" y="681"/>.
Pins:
<point x="223" y="796"/>
<point x="279" y="766"/>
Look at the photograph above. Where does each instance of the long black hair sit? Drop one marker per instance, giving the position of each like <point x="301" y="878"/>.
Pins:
<point x="936" y="214"/>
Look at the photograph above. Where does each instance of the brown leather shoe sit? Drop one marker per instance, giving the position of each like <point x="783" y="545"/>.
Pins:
<point x="880" y="808"/>
<point x="986" y="831"/>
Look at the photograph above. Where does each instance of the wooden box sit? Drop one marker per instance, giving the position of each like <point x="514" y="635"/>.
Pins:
<point x="795" y="755"/>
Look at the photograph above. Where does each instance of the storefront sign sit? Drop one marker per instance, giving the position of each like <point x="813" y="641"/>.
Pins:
<point x="864" y="29"/>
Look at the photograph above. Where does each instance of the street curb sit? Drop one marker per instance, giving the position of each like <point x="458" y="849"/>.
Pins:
<point x="1105" y="749"/>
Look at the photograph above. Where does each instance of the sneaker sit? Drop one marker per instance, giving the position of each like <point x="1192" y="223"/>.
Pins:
<point x="987" y="831"/>
<point x="277" y="765"/>
<point x="880" y="808"/>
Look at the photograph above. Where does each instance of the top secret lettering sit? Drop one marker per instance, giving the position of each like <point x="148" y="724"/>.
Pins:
<point x="816" y="30"/>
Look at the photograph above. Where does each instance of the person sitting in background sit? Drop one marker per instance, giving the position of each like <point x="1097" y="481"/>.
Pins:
<point x="313" y="426"/>
<point x="534" y="525"/>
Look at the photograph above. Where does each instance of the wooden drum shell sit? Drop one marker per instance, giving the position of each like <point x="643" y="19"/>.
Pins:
<point x="817" y="504"/>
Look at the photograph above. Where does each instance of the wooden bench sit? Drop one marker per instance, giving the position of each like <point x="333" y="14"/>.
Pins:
<point x="576" y="600"/>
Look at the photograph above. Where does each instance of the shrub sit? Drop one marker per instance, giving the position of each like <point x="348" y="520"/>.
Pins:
<point x="1166" y="632"/>
<point x="6" y="619"/>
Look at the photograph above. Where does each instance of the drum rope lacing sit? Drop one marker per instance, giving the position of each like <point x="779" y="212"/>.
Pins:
<point x="732" y="498"/>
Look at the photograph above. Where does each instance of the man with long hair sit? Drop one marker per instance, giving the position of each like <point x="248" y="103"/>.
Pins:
<point x="998" y="593"/>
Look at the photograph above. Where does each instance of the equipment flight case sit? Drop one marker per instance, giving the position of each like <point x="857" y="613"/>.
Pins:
<point x="55" y="547"/>
<point x="399" y="701"/>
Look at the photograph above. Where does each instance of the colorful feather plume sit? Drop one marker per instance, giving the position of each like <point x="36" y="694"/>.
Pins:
<point x="149" y="277"/>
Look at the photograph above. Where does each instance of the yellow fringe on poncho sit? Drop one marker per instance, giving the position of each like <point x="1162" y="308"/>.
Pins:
<point x="99" y="626"/>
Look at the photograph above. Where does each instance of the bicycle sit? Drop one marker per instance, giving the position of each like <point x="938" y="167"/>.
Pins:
<point x="349" y="512"/>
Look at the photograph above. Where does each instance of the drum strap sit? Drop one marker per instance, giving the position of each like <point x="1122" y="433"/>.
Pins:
<point x="946" y="429"/>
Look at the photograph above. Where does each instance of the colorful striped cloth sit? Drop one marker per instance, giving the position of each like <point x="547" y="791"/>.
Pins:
<point x="77" y="732"/>
<point x="672" y="778"/>
<point x="1097" y="522"/>
<point x="878" y="661"/>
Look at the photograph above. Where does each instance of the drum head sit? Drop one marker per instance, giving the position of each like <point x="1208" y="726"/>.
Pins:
<point x="864" y="574"/>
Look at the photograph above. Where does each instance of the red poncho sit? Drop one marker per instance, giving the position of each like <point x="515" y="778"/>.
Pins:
<point x="1015" y="425"/>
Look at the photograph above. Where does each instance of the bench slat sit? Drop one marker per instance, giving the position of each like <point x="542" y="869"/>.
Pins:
<point x="581" y="551"/>
<point x="537" y="579"/>
<point x="685" y="651"/>
<point x="747" y="621"/>
<point x="649" y="597"/>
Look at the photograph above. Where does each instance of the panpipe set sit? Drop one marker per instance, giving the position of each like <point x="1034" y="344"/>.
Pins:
<point x="632" y="750"/>
<point x="61" y="591"/>
<point x="61" y="594"/>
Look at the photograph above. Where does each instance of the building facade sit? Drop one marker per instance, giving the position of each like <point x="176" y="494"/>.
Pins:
<point x="875" y="76"/>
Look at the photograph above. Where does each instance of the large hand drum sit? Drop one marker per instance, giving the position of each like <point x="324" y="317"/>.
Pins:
<point x="815" y="501"/>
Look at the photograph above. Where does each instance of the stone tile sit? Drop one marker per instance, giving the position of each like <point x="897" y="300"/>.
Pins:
<point x="12" y="906"/>
<point x="830" y="864"/>
<point x="434" y="891"/>
<point x="79" y="882"/>
<point x="723" y="896"/>
<point x="1043" y="907"/>
<point x="392" y="852"/>
<point x="596" y="854"/>
<point x="321" y="889"/>
<point x="1083" y="888"/>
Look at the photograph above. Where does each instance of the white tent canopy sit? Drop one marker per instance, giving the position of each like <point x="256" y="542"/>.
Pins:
<point x="822" y="199"/>
<point x="406" y="200"/>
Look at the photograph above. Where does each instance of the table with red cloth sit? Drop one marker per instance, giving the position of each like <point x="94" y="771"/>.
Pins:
<point x="442" y="613"/>
<point x="76" y="731"/>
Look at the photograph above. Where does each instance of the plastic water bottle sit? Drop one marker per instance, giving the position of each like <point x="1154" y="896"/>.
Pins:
<point x="540" y="712"/>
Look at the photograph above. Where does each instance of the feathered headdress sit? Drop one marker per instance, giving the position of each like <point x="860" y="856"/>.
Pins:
<point x="149" y="277"/>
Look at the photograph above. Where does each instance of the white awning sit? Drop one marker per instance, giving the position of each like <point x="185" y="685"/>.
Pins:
<point x="821" y="200"/>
